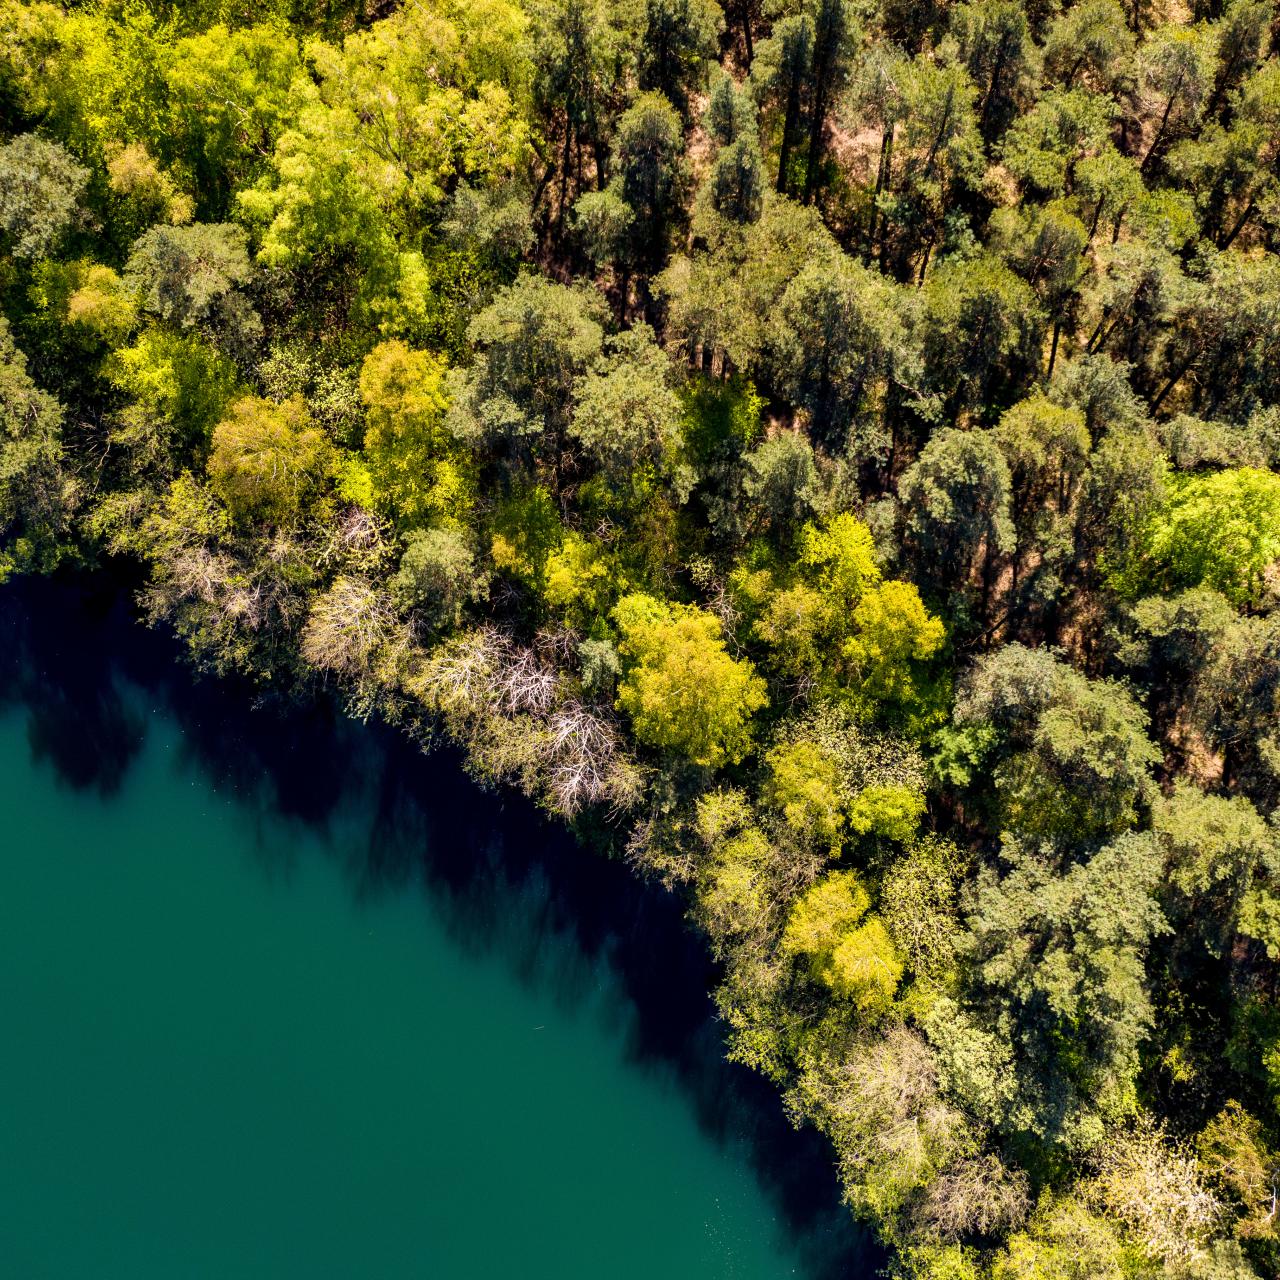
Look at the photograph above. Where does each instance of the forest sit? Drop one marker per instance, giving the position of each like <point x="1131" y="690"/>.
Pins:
<point x="827" y="452"/>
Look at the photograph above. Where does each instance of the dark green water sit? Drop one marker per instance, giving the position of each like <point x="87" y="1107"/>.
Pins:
<point x="281" y="998"/>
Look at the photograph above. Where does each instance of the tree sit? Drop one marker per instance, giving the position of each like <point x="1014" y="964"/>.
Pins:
<point x="1089" y="40"/>
<point x="1047" y="448"/>
<point x="737" y="876"/>
<point x="956" y="496"/>
<point x="837" y="346"/>
<point x="736" y="185"/>
<point x="677" y="42"/>
<point x="682" y="690"/>
<point x="38" y="493"/>
<point x="534" y="341"/>
<point x="405" y="109"/>
<point x="847" y="950"/>
<point x="1079" y="762"/>
<point x="419" y="472"/>
<point x="835" y="36"/>
<point x="267" y="459"/>
<point x="649" y="149"/>
<point x="1220" y="531"/>
<point x="878" y="1099"/>
<point x="996" y="46"/>
<point x="982" y="330"/>
<point x="780" y="482"/>
<point x="1154" y="1187"/>
<point x="438" y="576"/>
<point x="1176" y="67"/>
<point x="918" y="900"/>
<point x="40" y="190"/>
<point x="581" y="57"/>
<point x="1056" y="965"/>
<point x="1217" y="847"/>
<point x="804" y="785"/>
<point x="179" y="387"/>
<point x="1065" y="1240"/>
<point x="777" y="77"/>
<point x="893" y="636"/>
<point x="627" y="414"/>
<point x="932" y="161"/>
<point x="191" y="276"/>
<point x="1043" y="147"/>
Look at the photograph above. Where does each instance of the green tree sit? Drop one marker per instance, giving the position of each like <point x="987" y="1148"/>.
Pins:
<point x="677" y="42"/>
<point x="1218" y="848"/>
<point x="1056" y="964"/>
<point x="956" y="496"/>
<point x="651" y="175"/>
<point x="420" y="474"/>
<point x="267" y="460"/>
<point x="838" y="345"/>
<point x="681" y="689"/>
<point x="534" y="341"/>
<point x="1090" y="40"/>
<point x="1078" y="760"/>
<point x="803" y="784"/>
<point x="191" y="276"/>
<point x="996" y="46"/>
<point x="438" y="576"/>
<point x="627" y="414"/>
<point x="40" y="190"/>
<point x="1220" y="531"/>
<point x="38" y="493"/>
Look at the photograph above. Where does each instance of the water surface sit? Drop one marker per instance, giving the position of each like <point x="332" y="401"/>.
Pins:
<point x="282" y="998"/>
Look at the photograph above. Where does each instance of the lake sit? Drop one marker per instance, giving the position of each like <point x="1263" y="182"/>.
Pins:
<point x="282" y="997"/>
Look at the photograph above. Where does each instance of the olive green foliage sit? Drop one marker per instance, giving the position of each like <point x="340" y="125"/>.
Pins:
<point x="827" y="452"/>
<point x="40" y="188"/>
<point x="266" y="458"/>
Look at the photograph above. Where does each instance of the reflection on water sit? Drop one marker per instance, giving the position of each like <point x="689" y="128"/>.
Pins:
<point x="504" y="882"/>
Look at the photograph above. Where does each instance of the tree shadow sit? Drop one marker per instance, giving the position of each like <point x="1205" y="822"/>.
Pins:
<point x="77" y="721"/>
<point x="503" y="880"/>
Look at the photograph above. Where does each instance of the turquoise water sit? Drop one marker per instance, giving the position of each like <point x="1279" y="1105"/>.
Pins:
<point x="283" y="999"/>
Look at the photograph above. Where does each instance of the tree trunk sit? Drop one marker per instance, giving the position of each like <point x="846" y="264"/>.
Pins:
<point x="1164" y="121"/>
<point x="789" y="122"/>
<point x="1241" y="223"/>
<point x="1053" y="347"/>
<point x="817" y="125"/>
<point x="882" y="177"/>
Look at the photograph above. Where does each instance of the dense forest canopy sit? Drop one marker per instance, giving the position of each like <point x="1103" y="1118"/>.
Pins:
<point x="826" y="450"/>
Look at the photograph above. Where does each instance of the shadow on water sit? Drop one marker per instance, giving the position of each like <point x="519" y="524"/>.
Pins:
<point x="503" y="879"/>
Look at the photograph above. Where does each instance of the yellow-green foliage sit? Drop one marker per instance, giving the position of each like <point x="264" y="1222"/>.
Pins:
<point x="266" y="459"/>
<point x="893" y="631"/>
<point x="403" y="108"/>
<point x="181" y="379"/>
<point x="579" y="581"/>
<point x="804" y="784"/>
<point x="682" y="690"/>
<point x="1064" y="1241"/>
<point x="1220" y="530"/>
<point x="99" y="304"/>
<point x="846" y="949"/>
<point x="839" y="558"/>
<point x="829" y="619"/>
<point x="888" y="810"/>
<point x="526" y="532"/>
<point x="420" y="475"/>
